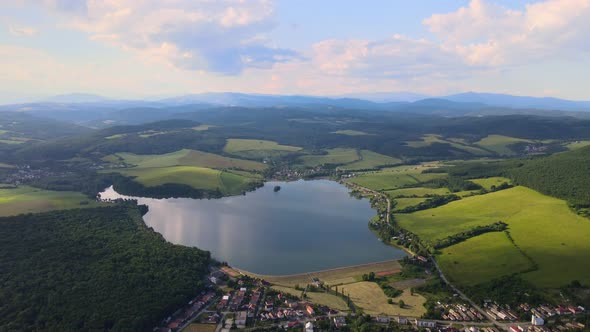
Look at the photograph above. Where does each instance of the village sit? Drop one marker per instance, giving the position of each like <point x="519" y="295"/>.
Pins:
<point x="235" y="301"/>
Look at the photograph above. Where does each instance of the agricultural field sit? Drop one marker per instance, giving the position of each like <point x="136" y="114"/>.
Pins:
<point x="371" y="160"/>
<point x="499" y="144"/>
<point x="576" y="145"/>
<point x="417" y="191"/>
<point x="543" y="227"/>
<point x="320" y="298"/>
<point x="196" y="177"/>
<point x="27" y="199"/>
<point x="395" y="177"/>
<point x="336" y="156"/>
<point x="487" y="183"/>
<point x="428" y="140"/>
<point x="203" y="127"/>
<point x="370" y="297"/>
<point x="470" y="262"/>
<point x="201" y="328"/>
<point x="402" y="203"/>
<point x="349" y="132"/>
<point x="186" y="157"/>
<point x="238" y="145"/>
<point x="116" y="136"/>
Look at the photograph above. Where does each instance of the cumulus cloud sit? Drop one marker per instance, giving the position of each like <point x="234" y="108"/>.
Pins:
<point x="480" y="37"/>
<point x="22" y="31"/>
<point x="225" y="36"/>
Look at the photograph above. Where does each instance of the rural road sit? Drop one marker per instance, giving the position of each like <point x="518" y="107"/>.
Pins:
<point x="364" y="189"/>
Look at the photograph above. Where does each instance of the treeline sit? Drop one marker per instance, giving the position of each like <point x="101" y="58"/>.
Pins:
<point x="453" y="183"/>
<point x="430" y="203"/>
<point x="92" y="269"/>
<point x="478" y="230"/>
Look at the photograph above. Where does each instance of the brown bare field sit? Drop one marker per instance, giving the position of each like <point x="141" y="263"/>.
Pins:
<point x="201" y="328"/>
<point x="369" y="297"/>
<point x="230" y="272"/>
<point x="338" y="276"/>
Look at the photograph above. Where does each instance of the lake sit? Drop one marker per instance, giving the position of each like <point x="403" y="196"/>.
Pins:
<point x="306" y="226"/>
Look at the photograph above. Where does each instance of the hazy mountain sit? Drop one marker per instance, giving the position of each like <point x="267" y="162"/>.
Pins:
<point x="76" y="98"/>
<point x="504" y="100"/>
<point x="385" y="97"/>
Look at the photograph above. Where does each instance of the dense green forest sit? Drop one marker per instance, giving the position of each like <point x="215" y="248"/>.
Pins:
<point x="92" y="269"/>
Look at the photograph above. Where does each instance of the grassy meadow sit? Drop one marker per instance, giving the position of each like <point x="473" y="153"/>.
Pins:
<point x="417" y="191"/>
<point x="459" y="144"/>
<point x="186" y="157"/>
<point x="369" y="297"/>
<point x="27" y="199"/>
<point x="499" y="144"/>
<point x="196" y="177"/>
<point x="336" y="156"/>
<point x="542" y="226"/>
<point x="487" y="183"/>
<point x="392" y="178"/>
<point x="350" y="132"/>
<point x="402" y="203"/>
<point x="370" y="160"/>
<point x="234" y="145"/>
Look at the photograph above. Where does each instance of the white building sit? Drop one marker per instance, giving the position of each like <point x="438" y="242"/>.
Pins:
<point x="309" y="327"/>
<point x="537" y="321"/>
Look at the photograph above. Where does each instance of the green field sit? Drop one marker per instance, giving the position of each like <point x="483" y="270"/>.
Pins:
<point x="468" y="262"/>
<point x="203" y="127"/>
<point x="460" y="144"/>
<point x="336" y="156"/>
<point x="395" y="177"/>
<point x="27" y="199"/>
<point x="116" y="136"/>
<point x="543" y="227"/>
<point x="349" y="132"/>
<point x="186" y="157"/>
<point x="407" y="202"/>
<point x="489" y="182"/>
<point x="239" y="145"/>
<point x="371" y="160"/>
<point x="196" y="177"/>
<point x="417" y="191"/>
<point x="499" y="144"/>
<point x="577" y="144"/>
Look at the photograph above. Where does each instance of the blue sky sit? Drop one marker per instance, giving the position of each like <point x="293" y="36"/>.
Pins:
<point x="148" y="48"/>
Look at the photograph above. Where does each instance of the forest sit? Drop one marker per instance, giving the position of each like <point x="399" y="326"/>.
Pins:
<point x="92" y="269"/>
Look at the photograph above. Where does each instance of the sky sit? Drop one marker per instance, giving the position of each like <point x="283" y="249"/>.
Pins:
<point x="160" y="48"/>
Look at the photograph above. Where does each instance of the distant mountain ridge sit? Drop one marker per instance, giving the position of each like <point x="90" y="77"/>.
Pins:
<point x="505" y="100"/>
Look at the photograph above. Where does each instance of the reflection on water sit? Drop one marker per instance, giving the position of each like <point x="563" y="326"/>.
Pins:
<point x="306" y="226"/>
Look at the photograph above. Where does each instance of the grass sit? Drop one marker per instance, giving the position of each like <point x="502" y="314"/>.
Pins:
<point x="487" y="183"/>
<point x="460" y="144"/>
<point x="369" y="297"/>
<point x="371" y="160"/>
<point x="336" y="156"/>
<point x="116" y="136"/>
<point x="196" y="177"/>
<point x="203" y="127"/>
<point x="417" y="191"/>
<point x="201" y="328"/>
<point x="577" y="144"/>
<point x="27" y="199"/>
<point x="407" y="202"/>
<point x="499" y="144"/>
<point x="542" y="226"/>
<point x="395" y="177"/>
<point x="349" y="132"/>
<point x="319" y="298"/>
<point x="240" y="145"/>
<point x="186" y="157"/>
<point x="465" y="262"/>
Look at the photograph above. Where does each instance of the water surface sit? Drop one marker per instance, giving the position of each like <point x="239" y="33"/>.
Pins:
<point x="306" y="226"/>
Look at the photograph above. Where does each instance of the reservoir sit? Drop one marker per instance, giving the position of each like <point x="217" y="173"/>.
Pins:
<point x="306" y="226"/>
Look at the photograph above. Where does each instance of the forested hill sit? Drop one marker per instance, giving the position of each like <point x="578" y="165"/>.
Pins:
<point x="563" y="175"/>
<point x="90" y="270"/>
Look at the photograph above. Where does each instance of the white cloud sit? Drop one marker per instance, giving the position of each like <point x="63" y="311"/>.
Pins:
<point x="224" y="36"/>
<point x="22" y="31"/>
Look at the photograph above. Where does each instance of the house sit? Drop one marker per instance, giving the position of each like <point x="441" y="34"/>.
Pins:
<point x="383" y="319"/>
<point x="241" y="318"/>
<point x="309" y="327"/>
<point x="339" y="321"/>
<point x="310" y="310"/>
<point x="291" y="303"/>
<point x="268" y="305"/>
<point x="213" y="280"/>
<point x="425" y="323"/>
<point x="401" y="320"/>
<point x="537" y="321"/>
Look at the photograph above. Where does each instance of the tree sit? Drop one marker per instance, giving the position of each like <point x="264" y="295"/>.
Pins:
<point x="402" y="304"/>
<point x="371" y="276"/>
